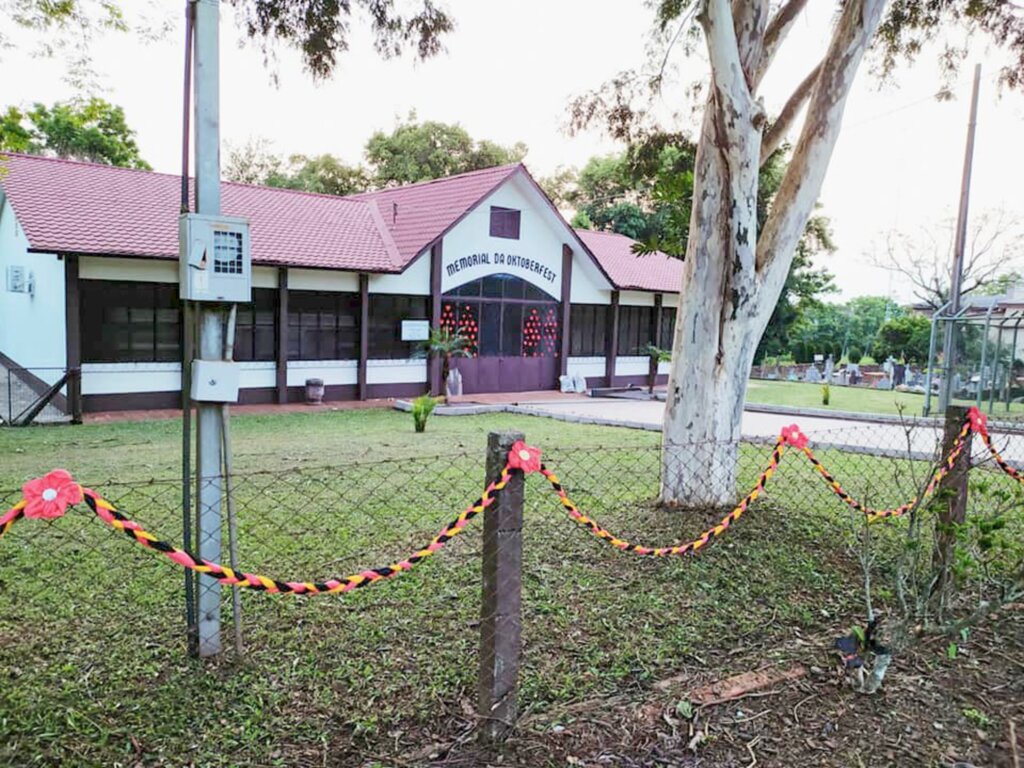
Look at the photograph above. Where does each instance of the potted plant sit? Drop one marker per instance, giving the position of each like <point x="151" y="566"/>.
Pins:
<point x="656" y="355"/>
<point x="445" y="344"/>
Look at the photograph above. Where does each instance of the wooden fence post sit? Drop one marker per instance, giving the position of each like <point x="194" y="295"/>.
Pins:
<point x="501" y="609"/>
<point x="953" y="488"/>
<point x="74" y="397"/>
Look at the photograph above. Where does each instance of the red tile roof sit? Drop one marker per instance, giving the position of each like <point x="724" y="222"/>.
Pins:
<point x="72" y="207"/>
<point x="417" y="214"/>
<point x="84" y="208"/>
<point x="629" y="271"/>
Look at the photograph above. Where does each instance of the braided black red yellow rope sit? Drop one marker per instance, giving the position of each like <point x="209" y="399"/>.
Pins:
<point x="48" y="497"/>
<point x="226" y="575"/>
<point x="943" y="469"/>
<point x="677" y="549"/>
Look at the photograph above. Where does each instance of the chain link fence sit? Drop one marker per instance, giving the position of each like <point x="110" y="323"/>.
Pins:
<point x="81" y="606"/>
<point x="35" y="395"/>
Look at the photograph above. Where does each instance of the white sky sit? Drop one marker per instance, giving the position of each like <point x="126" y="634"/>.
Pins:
<point x="510" y="70"/>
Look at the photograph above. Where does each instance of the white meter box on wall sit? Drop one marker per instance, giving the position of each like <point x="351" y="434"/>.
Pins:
<point x="216" y="263"/>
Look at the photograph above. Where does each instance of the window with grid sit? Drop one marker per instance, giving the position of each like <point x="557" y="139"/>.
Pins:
<point x="588" y="324"/>
<point x="323" y="326"/>
<point x="128" y="322"/>
<point x="505" y="222"/>
<point x="387" y="311"/>
<point x="668" y="327"/>
<point x="256" y="327"/>
<point x="635" y="329"/>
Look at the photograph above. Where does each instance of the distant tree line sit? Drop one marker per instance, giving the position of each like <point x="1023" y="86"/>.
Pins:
<point x="413" y="151"/>
<point x="79" y="129"/>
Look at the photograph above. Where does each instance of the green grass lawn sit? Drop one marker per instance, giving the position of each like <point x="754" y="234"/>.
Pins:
<point x="856" y="399"/>
<point x="98" y="453"/>
<point x="93" y="669"/>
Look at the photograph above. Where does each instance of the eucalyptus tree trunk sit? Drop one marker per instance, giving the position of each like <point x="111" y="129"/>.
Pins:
<point x="733" y="275"/>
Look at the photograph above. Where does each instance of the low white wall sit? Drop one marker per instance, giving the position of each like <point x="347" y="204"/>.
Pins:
<point x="396" y="371"/>
<point x="331" y="371"/>
<point x="116" y="378"/>
<point x="258" y="374"/>
<point x="632" y="366"/>
<point x="588" y="367"/>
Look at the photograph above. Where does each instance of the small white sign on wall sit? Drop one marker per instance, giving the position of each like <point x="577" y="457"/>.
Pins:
<point x="415" y="330"/>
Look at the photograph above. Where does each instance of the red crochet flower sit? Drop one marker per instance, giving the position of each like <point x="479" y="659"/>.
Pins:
<point x="793" y="436"/>
<point x="49" y="496"/>
<point x="524" y="457"/>
<point x="979" y="421"/>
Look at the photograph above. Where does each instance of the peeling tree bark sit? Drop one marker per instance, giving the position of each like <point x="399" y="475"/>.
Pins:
<point x="732" y="278"/>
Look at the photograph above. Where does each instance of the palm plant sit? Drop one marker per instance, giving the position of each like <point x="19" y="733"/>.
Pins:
<point x="445" y="344"/>
<point x="656" y="355"/>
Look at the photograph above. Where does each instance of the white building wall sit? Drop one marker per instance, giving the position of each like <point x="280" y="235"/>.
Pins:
<point x="589" y="285"/>
<point x="636" y="299"/>
<point x="128" y="270"/>
<point x="414" y="281"/>
<point x="153" y="271"/>
<point x="322" y="280"/>
<point x="264" y="277"/>
<point x="540" y="240"/>
<point x="32" y="326"/>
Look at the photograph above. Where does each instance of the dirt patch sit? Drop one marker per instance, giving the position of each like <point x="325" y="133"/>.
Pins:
<point x="937" y="708"/>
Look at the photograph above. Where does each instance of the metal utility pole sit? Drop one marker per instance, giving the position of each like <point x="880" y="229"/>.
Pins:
<point x="956" y="279"/>
<point x="209" y="426"/>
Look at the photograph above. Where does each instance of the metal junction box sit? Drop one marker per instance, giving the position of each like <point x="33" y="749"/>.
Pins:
<point x="216" y="260"/>
<point x="214" y="381"/>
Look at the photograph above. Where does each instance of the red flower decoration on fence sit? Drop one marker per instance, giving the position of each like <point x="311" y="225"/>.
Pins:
<point x="49" y="496"/>
<point x="524" y="457"/>
<point x="979" y="421"/>
<point x="793" y="436"/>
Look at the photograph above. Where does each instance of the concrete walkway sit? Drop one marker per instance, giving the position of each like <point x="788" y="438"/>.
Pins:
<point x="878" y="438"/>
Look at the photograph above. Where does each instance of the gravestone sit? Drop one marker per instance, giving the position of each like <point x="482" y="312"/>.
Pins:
<point x="899" y="374"/>
<point x="853" y="369"/>
<point x="813" y="375"/>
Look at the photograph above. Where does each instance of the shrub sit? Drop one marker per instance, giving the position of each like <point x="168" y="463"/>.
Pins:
<point x="824" y="394"/>
<point x="422" y="407"/>
<point x="855" y="355"/>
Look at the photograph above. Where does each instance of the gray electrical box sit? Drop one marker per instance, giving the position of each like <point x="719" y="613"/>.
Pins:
<point x="215" y="381"/>
<point x="216" y="259"/>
